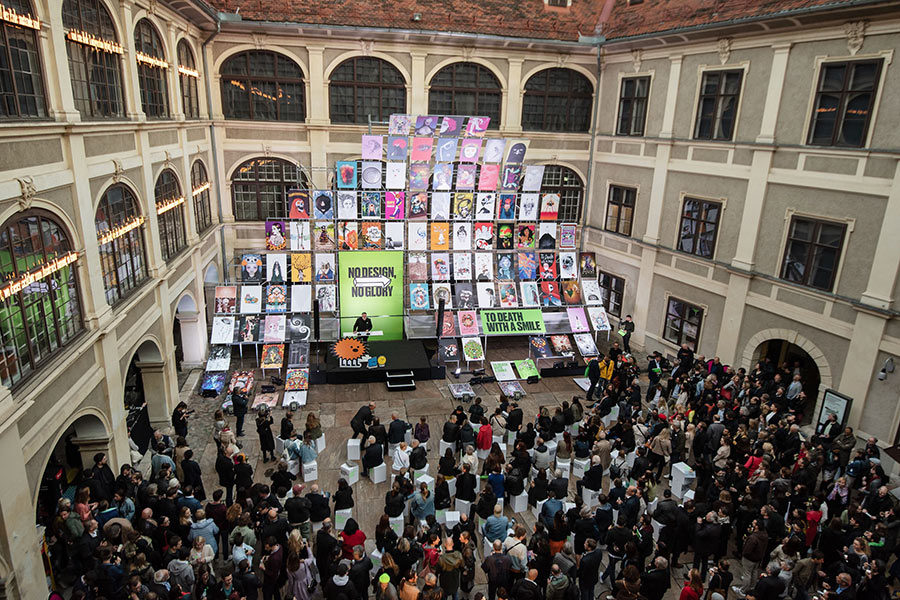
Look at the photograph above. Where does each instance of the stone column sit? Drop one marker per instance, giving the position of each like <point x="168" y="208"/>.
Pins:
<point x="511" y="119"/>
<point x="160" y="403"/>
<point x="418" y="85"/>
<point x="193" y="338"/>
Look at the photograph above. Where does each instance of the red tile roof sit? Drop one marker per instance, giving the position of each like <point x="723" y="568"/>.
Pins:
<point x="510" y="18"/>
<point x="658" y="16"/>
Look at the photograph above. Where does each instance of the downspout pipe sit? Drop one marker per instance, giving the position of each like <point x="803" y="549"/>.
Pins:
<point x="589" y="184"/>
<point x="214" y="144"/>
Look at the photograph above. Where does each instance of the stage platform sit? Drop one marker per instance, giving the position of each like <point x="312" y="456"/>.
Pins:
<point x="402" y="356"/>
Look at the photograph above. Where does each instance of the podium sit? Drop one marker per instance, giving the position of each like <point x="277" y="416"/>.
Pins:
<point x="580" y="466"/>
<point x="590" y="497"/>
<point x="483" y="454"/>
<point x="417" y="473"/>
<point x="364" y="334"/>
<point x="682" y="477"/>
<point x="397" y="525"/>
<point x="463" y="507"/>
<point x="444" y="446"/>
<point x="341" y="517"/>
<point x="451" y="519"/>
<point x="551" y="447"/>
<point x="427" y="480"/>
<point x="279" y="446"/>
<point x="353" y="447"/>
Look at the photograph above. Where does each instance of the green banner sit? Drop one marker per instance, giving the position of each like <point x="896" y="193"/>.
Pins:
<point x="513" y="321"/>
<point x="372" y="282"/>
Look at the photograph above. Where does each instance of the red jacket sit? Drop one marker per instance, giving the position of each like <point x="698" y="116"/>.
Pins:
<point x="485" y="437"/>
<point x="349" y="541"/>
<point x="688" y="593"/>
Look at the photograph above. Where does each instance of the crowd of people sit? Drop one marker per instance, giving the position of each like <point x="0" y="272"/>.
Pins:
<point x="802" y="517"/>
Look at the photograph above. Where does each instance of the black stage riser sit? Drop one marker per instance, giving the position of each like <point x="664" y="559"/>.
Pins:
<point x="365" y="375"/>
<point x="570" y="372"/>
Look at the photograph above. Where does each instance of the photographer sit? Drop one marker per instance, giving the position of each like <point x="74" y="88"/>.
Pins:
<point x="179" y="419"/>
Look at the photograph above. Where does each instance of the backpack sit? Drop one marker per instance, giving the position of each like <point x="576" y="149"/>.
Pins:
<point x="615" y="471"/>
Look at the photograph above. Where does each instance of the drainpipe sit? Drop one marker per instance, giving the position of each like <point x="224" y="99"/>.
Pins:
<point x="214" y="145"/>
<point x="589" y="184"/>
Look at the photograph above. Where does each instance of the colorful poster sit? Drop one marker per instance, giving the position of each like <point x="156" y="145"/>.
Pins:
<point x="510" y="180"/>
<point x="446" y="150"/>
<point x="484" y="236"/>
<point x="370" y="176"/>
<point x="441" y="291"/>
<point x="511" y="389"/>
<point x="484" y="266"/>
<point x="577" y="320"/>
<point x="530" y="295"/>
<point x="301" y="298"/>
<point x="219" y="358"/>
<point x="586" y="344"/>
<point x="443" y="177"/>
<point x="493" y="150"/>
<point x="397" y="147"/>
<point x="371" y="205"/>
<point x="324" y="235"/>
<point x="547" y="236"/>
<point x="251" y="299"/>
<point x="393" y="235"/>
<point x="301" y="268"/>
<point x="421" y="149"/>
<point x="323" y="204"/>
<point x="440" y="266"/>
<point x="327" y="297"/>
<point x="528" y="207"/>
<point x="276" y="268"/>
<point x="547" y="265"/>
<point x="549" y="207"/>
<point x="418" y="266"/>
<point x="348" y="235"/>
<point x="440" y="236"/>
<point x="451" y="126"/>
<point x="503" y="370"/>
<point x="571" y="293"/>
<point x="300" y="237"/>
<point x="567" y="267"/>
<point x="274" y="329"/>
<point x="487" y="297"/>
<point x="599" y="318"/>
<point x="550" y="294"/>
<point x="370" y="236"/>
<point x="418" y="296"/>
<point x="539" y="346"/>
<point x="372" y="147"/>
<point x="534" y="176"/>
<point x="399" y="124"/>
<point x="590" y="289"/>
<point x="465" y="177"/>
<point x="562" y="345"/>
<point x="275" y="235"/>
<point x="469" y="150"/>
<point x="462" y="205"/>
<point x="490" y="176"/>
<point x="472" y="349"/>
<point x="427" y="125"/>
<point x="394" y="205"/>
<point x="462" y="235"/>
<point x="477" y="126"/>
<point x="506" y="209"/>
<point x="527" y="266"/>
<point x="272" y="357"/>
<point x="418" y="205"/>
<point x="526" y="235"/>
<point x="505" y="266"/>
<point x="526" y="368"/>
<point x="520" y="321"/>
<point x="504" y="236"/>
<point x="567" y="236"/>
<point x="418" y="177"/>
<point x="462" y="266"/>
<point x="465" y="296"/>
<point x="298" y="353"/>
<point x="296" y="380"/>
<point x="449" y="350"/>
<point x="516" y="153"/>
<point x="248" y="332"/>
<point x="298" y="201"/>
<point x="448" y="329"/>
<point x="587" y="262"/>
<point x="276" y="298"/>
<point x="324" y="267"/>
<point x="346" y="205"/>
<point x="222" y="330"/>
<point x="508" y="298"/>
<point x="372" y="282"/>
<point x="468" y="322"/>
<point x="226" y="299"/>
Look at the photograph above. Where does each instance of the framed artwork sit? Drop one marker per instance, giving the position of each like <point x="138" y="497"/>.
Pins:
<point x="567" y="236"/>
<point x="301" y="268"/>
<point x="531" y="180"/>
<point x="276" y="268"/>
<point x="418" y="296"/>
<point x="222" y="330"/>
<point x="487" y="297"/>
<point x="226" y="299"/>
<point x="468" y="322"/>
<point x="462" y="235"/>
<point x="275" y="235"/>
<point x="394" y="205"/>
<point x="347" y="235"/>
<point x="371" y="205"/>
<point x="493" y="150"/>
<point x="393" y="235"/>
<point x="298" y="202"/>
<point x="530" y="295"/>
<point x="272" y="356"/>
<point x="465" y="296"/>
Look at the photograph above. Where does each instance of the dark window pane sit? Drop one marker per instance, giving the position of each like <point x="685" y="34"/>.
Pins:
<point x="844" y="103"/>
<point x="371" y="87"/>
<point x="717" y="105"/>
<point x="812" y="252"/>
<point x="263" y="86"/>
<point x="557" y="100"/>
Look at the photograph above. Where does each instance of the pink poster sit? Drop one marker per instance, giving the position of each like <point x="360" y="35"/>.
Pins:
<point x="468" y="322"/>
<point x="577" y="319"/>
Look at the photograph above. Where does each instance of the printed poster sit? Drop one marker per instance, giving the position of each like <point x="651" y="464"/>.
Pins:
<point x="468" y="322"/>
<point x="503" y="370"/>
<point x="323" y="204"/>
<point x="472" y="349"/>
<point x="226" y="299"/>
<point x="577" y="320"/>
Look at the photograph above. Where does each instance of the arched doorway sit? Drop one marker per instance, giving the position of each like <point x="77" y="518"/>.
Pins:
<point x="789" y="359"/>
<point x="146" y="396"/>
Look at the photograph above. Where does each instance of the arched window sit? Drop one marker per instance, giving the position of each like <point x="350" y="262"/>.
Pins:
<point x="120" y="233"/>
<point x="466" y="89"/>
<point x="565" y="182"/>
<point x="21" y="83"/>
<point x="188" y="76"/>
<point x="259" y="188"/>
<point x="262" y="86"/>
<point x="200" y="192"/>
<point x="152" y="65"/>
<point x="557" y="100"/>
<point x="39" y="318"/>
<point x="94" y="56"/>
<point x="366" y="86"/>
<point x="169" y="214"/>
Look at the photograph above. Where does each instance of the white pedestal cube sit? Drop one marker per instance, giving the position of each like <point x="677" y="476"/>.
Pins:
<point x="397" y="525"/>
<point x="580" y="466"/>
<point x="483" y="454"/>
<point x="447" y="445"/>
<point x="558" y="438"/>
<point x="320" y="443"/>
<point x="350" y="473"/>
<point x="427" y="480"/>
<point x="590" y="497"/>
<point x="408" y="437"/>
<point x="689" y="495"/>
<point x="629" y="459"/>
<point x="497" y="439"/>
<point x="375" y="557"/>
<point x="573" y="429"/>
<point x="391" y="448"/>
<point x="379" y="473"/>
<point x="657" y="527"/>
<point x="451" y="519"/>
<point x="503" y="449"/>
<point x="463" y="507"/>
<point x="682" y="477"/>
<point x="441" y="515"/>
<point x="519" y="503"/>
<point x="567" y="506"/>
<point x="451" y="483"/>
<point x="310" y="471"/>
<point x="565" y="466"/>
<point x="294" y="467"/>
<point x="353" y="449"/>
<point x="279" y="446"/>
<point x="419" y="472"/>
<point x="341" y="517"/>
<point x="612" y="416"/>
<point x="551" y="447"/>
<point x="531" y="453"/>
<point x="536" y="511"/>
<point x="511" y="437"/>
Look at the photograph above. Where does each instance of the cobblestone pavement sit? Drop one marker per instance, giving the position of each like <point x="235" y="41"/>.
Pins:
<point x="336" y="405"/>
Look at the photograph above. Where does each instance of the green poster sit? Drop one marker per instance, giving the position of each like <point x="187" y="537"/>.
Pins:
<point x="526" y="368"/>
<point x="372" y="282"/>
<point x="514" y="321"/>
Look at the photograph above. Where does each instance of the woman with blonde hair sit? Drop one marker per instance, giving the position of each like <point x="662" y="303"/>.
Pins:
<point x="295" y="542"/>
<point x="201" y="553"/>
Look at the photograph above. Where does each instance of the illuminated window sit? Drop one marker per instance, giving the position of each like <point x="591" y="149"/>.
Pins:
<point x="262" y="86"/>
<point x="200" y="191"/>
<point x="259" y="188"/>
<point x="45" y="315"/>
<point x="95" y="70"/>
<point x="21" y="83"/>
<point x="187" y="77"/>
<point x="557" y="100"/>
<point x="151" y="75"/>
<point x="365" y="87"/>
<point x="169" y="214"/>
<point x="845" y="99"/>
<point x="120" y="231"/>
<point x="466" y="89"/>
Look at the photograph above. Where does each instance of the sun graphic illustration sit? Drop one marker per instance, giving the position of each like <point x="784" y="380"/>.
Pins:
<point x="349" y="349"/>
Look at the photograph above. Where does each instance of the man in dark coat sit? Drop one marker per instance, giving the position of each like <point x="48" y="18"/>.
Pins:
<point x="225" y="471"/>
<point x="361" y="420"/>
<point x="104" y="476"/>
<point x="451" y="431"/>
<point x="243" y="473"/>
<point x="466" y="484"/>
<point x="417" y="457"/>
<point x="192" y="475"/>
<point x="514" y="419"/>
<point x="527" y="588"/>
<point x="239" y="405"/>
<point x="373" y="456"/>
<point x="318" y="504"/>
<point x="359" y="571"/>
<point x="339" y="585"/>
<point x="589" y="569"/>
<point x="593" y="374"/>
<point x="496" y="566"/>
<point x="397" y="429"/>
<point x="326" y="548"/>
<point x="706" y="541"/>
<point x="655" y="582"/>
<point x="593" y="477"/>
